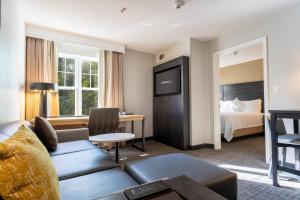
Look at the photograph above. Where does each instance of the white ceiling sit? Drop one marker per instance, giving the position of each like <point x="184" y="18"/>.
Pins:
<point x="241" y="56"/>
<point x="149" y="25"/>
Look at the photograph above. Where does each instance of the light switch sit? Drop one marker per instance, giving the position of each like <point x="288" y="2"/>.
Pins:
<point x="275" y="89"/>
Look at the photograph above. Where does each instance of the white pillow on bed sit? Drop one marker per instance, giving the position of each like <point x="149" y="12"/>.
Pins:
<point x="252" y="106"/>
<point x="230" y="106"/>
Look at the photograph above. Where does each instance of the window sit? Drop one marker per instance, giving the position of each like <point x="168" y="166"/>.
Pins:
<point x="78" y="84"/>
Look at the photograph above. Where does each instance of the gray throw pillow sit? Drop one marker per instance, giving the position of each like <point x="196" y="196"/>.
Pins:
<point x="46" y="133"/>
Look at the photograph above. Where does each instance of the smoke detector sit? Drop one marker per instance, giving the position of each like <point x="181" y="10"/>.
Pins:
<point x="179" y="3"/>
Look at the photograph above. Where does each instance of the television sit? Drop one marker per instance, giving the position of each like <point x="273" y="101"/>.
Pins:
<point x="168" y="82"/>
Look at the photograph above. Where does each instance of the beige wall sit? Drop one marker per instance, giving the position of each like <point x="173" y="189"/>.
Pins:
<point x="138" y="93"/>
<point x="200" y="116"/>
<point x="181" y="48"/>
<point x="12" y="57"/>
<point x="283" y="56"/>
<point x="242" y="73"/>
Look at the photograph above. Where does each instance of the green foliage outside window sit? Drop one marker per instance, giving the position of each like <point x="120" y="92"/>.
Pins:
<point x="67" y="80"/>
<point x="67" y="102"/>
<point x="89" y="100"/>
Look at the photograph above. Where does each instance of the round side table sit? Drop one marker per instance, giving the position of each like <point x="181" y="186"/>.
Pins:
<point x="113" y="137"/>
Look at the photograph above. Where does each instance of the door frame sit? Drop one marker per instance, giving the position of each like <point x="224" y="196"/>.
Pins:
<point x="216" y="91"/>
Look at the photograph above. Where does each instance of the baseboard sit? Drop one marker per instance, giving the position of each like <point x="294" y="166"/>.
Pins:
<point x="202" y="146"/>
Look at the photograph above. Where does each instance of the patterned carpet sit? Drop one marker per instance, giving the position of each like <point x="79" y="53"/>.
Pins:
<point x="245" y="157"/>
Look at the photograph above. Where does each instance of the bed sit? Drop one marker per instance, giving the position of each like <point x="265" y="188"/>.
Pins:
<point x="237" y="124"/>
<point x="238" y="121"/>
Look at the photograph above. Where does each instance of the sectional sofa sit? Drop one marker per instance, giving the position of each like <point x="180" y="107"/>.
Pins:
<point x="86" y="172"/>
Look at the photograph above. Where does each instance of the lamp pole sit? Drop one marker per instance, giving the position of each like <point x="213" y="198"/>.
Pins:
<point x="44" y="104"/>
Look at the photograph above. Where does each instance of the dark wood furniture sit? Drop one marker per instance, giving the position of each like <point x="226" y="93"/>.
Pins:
<point x="171" y="123"/>
<point x="183" y="185"/>
<point x="285" y="140"/>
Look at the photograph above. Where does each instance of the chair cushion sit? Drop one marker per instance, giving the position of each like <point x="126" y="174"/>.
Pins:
<point x="81" y="163"/>
<point x="26" y="169"/>
<point x="46" y="133"/>
<point x="172" y="165"/>
<point x="74" y="146"/>
<point x="95" y="185"/>
<point x="289" y="139"/>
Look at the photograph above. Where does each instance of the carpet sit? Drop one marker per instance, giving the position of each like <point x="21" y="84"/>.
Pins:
<point x="245" y="157"/>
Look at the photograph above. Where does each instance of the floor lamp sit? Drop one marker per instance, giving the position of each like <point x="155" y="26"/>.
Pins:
<point x="43" y="88"/>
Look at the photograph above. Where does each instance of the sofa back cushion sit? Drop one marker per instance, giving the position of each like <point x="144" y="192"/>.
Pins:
<point x="10" y="128"/>
<point x="26" y="169"/>
<point x="46" y="133"/>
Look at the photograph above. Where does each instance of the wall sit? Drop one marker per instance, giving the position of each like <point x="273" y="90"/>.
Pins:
<point x="61" y="36"/>
<point x="69" y="48"/>
<point x="12" y="57"/>
<point x="242" y="73"/>
<point x="138" y="92"/>
<point x="181" y="48"/>
<point x="283" y="54"/>
<point x="200" y="99"/>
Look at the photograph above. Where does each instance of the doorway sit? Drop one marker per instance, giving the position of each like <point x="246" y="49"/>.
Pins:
<point x="217" y="56"/>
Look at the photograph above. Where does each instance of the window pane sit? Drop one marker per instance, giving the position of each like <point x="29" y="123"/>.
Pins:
<point x="85" y="67"/>
<point x="70" y="65"/>
<point x="94" y="81"/>
<point x="70" y="79"/>
<point x="67" y="102"/>
<point x="85" y="81"/>
<point x="61" y="79"/>
<point x="61" y="64"/>
<point x="89" y="100"/>
<point x="94" y="67"/>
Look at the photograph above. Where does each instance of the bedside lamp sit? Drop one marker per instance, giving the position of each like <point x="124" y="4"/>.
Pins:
<point x="43" y="88"/>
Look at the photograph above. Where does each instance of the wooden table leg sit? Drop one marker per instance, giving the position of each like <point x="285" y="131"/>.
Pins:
<point x="274" y="150"/>
<point x="141" y="147"/>
<point x="117" y="152"/>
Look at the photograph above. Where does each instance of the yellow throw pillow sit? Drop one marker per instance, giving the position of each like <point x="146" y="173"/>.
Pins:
<point x="26" y="169"/>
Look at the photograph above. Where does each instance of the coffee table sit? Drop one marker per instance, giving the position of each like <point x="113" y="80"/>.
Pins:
<point x="183" y="185"/>
<point x="113" y="137"/>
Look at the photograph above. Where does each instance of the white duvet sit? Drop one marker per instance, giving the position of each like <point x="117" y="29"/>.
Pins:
<point x="231" y="121"/>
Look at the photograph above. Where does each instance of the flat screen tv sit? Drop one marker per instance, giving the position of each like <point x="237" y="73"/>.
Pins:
<point x="168" y="82"/>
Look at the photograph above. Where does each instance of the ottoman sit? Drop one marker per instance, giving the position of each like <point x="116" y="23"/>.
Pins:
<point x="217" y="179"/>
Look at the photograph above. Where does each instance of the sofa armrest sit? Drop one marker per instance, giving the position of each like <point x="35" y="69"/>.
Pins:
<point x="72" y="134"/>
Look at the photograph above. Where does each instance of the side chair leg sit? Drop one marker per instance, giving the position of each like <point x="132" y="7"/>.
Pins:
<point x="284" y="156"/>
<point x="297" y="159"/>
<point x="270" y="175"/>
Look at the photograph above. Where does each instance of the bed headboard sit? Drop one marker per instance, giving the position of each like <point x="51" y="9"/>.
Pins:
<point x="243" y="91"/>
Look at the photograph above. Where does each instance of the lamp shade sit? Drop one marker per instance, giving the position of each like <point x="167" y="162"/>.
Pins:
<point x="42" y="86"/>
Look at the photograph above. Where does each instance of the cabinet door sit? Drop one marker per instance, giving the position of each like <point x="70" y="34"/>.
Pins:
<point x="168" y="120"/>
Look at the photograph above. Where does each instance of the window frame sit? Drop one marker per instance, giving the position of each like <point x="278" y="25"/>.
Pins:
<point x="78" y="79"/>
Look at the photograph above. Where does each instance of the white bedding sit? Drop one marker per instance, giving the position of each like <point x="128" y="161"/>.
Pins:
<point x="231" y="121"/>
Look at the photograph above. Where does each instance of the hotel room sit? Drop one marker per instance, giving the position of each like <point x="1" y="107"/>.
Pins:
<point x="142" y="99"/>
<point x="242" y="93"/>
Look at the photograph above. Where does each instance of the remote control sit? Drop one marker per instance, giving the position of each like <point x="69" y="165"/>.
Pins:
<point x="146" y="190"/>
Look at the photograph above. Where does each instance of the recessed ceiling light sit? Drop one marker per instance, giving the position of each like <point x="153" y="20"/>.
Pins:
<point x="123" y="10"/>
<point x="179" y="3"/>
